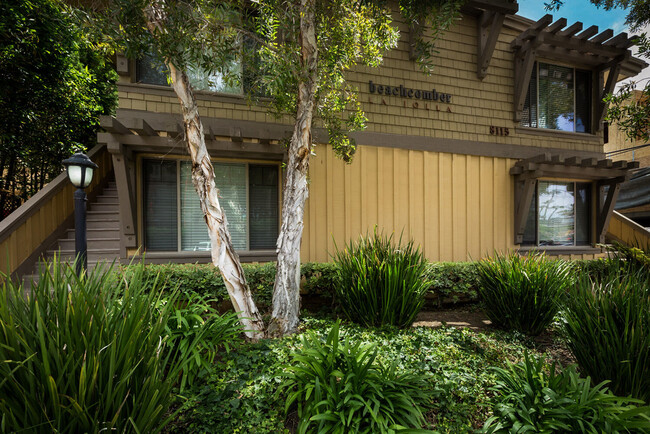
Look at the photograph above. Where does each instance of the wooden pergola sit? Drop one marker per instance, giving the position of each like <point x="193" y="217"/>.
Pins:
<point x="604" y="173"/>
<point x="599" y="52"/>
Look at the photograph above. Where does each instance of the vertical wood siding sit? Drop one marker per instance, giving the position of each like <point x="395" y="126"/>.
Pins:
<point x="459" y="207"/>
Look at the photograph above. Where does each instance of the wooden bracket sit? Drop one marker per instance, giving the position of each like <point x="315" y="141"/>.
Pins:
<point x="606" y="208"/>
<point x="614" y="68"/>
<point x="524" y="192"/>
<point x="489" y="28"/>
<point x="524" y="62"/>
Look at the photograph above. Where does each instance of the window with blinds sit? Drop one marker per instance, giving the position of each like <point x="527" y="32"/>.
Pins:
<point x="558" y="98"/>
<point x="248" y="194"/>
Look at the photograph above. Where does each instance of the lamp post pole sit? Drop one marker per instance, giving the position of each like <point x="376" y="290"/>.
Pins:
<point x="80" y="172"/>
<point x="80" y="237"/>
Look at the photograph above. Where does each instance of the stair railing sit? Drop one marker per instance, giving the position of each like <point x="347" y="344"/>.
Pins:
<point x="626" y="231"/>
<point x="34" y="226"/>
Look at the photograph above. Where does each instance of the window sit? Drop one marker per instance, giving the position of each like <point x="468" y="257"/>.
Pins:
<point x="559" y="215"/>
<point x="149" y="70"/>
<point x="173" y="219"/>
<point x="558" y="98"/>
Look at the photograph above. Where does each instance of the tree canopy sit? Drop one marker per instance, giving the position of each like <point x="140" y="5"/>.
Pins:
<point x="54" y="84"/>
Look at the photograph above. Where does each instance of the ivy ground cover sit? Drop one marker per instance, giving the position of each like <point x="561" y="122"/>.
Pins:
<point x="242" y="394"/>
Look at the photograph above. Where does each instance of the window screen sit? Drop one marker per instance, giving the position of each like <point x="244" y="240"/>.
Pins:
<point x="194" y="232"/>
<point x="556" y="97"/>
<point x="160" y="209"/>
<point x="263" y="188"/>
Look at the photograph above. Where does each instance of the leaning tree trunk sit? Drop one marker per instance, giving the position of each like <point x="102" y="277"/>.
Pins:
<point x="286" y="293"/>
<point x="224" y="256"/>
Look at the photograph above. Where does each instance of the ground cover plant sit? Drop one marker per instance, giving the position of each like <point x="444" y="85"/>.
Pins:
<point x="87" y="354"/>
<point x="523" y="293"/>
<point x="381" y="281"/>
<point x="533" y="397"/>
<point x="241" y="394"/>
<point x="339" y="386"/>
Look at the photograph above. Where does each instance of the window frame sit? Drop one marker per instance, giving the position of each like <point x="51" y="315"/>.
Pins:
<point x="591" y="207"/>
<point x="178" y="159"/>
<point x="588" y="131"/>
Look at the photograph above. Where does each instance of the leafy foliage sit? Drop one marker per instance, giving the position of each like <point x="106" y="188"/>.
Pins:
<point x="55" y="82"/>
<point x="197" y="332"/>
<point x="339" y="386"/>
<point x="607" y="323"/>
<point x="449" y="280"/>
<point x="523" y="293"/>
<point x="86" y="354"/>
<point x="381" y="283"/>
<point x="241" y="395"/>
<point x="528" y="398"/>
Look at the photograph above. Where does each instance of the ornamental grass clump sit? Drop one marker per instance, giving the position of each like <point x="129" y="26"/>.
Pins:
<point x="607" y="322"/>
<point x="531" y="397"/>
<point x="86" y="354"/>
<point x="341" y="387"/>
<point x="523" y="293"/>
<point x="380" y="283"/>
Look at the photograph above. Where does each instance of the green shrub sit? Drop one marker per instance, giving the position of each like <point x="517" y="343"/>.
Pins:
<point x="523" y="293"/>
<point x="195" y="329"/>
<point x="86" y="354"/>
<point x="608" y="327"/>
<point x="380" y="283"/>
<point x="530" y="399"/>
<point x="451" y="279"/>
<point x="340" y="387"/>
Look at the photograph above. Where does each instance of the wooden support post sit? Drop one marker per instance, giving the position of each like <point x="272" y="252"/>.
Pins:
<point x="125" y="196"/>
<point x="524" y="192"/>
<point x="606" y="208"/>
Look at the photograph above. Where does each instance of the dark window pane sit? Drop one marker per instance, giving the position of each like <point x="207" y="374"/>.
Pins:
<point x="556" y="97"/>
<point x="529" y="115"/>
<point x="263" y="199"/>
<point x="160" y="217"/>
<point x="583" y="101"/>
<point x="149" y="70"/>
<point x="583" y="214"/>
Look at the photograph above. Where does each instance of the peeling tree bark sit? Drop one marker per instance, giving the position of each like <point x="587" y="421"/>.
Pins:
<point x="224" y="256"/>
<point x="286" y="293"/>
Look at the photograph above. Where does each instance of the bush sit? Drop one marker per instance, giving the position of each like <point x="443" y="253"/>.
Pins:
<point x="86" y="354"/>
<point x="379" y="283"/>
<point x="449" y="280"/>
<point x="340" y="387"/>
<point x="523" y="293"/>
<point x="196" y="330"/>
<point x="607" y="322"/>
<point x="529" y="399"/>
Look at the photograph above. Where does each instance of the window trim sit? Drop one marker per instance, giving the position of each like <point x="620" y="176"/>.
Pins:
<point x="178" y="158"/>
<point x="575" y="67"/>
<point x="535" y="202"/>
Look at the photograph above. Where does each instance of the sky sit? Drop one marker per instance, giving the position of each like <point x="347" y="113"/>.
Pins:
<point x="585" y="12"/>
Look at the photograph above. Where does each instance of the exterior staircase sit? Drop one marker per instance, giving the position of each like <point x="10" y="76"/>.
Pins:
<point x="102" y="225"/>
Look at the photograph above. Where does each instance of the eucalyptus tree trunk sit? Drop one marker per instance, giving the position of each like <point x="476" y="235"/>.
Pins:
<point x="224" y="256"/>
<point x="286" y="293"/>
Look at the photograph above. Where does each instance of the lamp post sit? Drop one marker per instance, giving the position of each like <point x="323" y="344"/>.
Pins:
<point x="80" y="172"/>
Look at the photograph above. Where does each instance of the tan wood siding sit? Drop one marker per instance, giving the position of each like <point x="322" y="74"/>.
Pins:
<point x="459" y="207"/>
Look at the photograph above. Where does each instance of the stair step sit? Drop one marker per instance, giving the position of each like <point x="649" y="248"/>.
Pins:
<point x="101" y="214"/>
<point x="96" y="232"/>
<point x="105" y="198"/>
<point x="113" y="224"/>
<point x="93" y="254"/>
<point x="98" y="206"/>
<point x="97" y="243"/>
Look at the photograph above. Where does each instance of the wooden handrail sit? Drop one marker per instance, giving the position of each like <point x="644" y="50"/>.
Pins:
<point x="626" y="231"/>
<point x="28" y="231"/>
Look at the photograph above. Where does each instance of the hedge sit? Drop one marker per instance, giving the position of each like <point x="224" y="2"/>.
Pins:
<point x="451" y="282"/>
